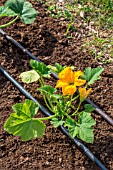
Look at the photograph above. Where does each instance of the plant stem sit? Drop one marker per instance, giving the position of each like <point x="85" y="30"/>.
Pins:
<point x="77" y="109"/>
<point x="47" y="104"/>
<point x="75" y="97"/>
<point x="9" y="23"/>
<point x="41" y="81"/>
<point x="49" y="100"/>
<point x="44" y="118"/>
<point x="45" y="96"/>
<point x="70" y="101"/>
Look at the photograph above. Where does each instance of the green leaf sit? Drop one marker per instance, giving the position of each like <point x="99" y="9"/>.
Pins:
<point x="72" y="127"/>
<point x="5" y="11"/>
<point x="91" y="75"/>
<point x="85" y="131"/>
<point x="86" y="134"/>
<point x="28" y="13"/>
<point x="40" y="67"/>
<point x="15" y="5"/>
<point x="23" y="9"/>
<point x="86" y="119"/>
<point x="70" y="122"/>
<point x="26" y="128"/>
<point x="55" y="122"/>
<point x="67" y="14"/>
<point x="61" y="108"/>
<point x="56" y="96"/>
<point x="48" y="89"/>
<point x="72" y="67"/>
<point x="29" y="76"/>
<point x="88" y="108"/>
<point x="28" y="108"/>
<point x="21" y="123"/>
<point x="82" y="129"/>
<point x="59" y="67"/>
<point x="53" y="68"/>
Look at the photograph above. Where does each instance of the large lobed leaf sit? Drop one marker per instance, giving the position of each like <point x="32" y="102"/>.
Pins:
<point x="28" y="13"/>
<point x="21" y="123"/>
<point x="28" y="108"/>
<point x="48" y="89"/>
<point x="86" y="119"/>
<point x="23" y="9"/>
<point x="6" y="11"/>
<point x="72" y="127"/>
<point x="91" y="75"/>
<point x="86" y="134"/>
<point x="15" y="5"/>
<point x="88" y="108"/>
<point x="40" y="67"/>
<point x="55" y="122"/>
<point x="29" y="76"/>
<point x="83" y="129"/>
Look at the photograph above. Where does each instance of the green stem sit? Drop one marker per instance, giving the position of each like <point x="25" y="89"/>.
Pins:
<point x="67" y="31"/>
<point x="47" y="104"/>
<point x="86" y="85"/>
<point x="75" y="97"/>
<point x="41" y="81"/>
<point x="68" y="28"/>
<point x="70" y="101"/>
<point x="77" y="109"/>
<point x="49" y="100"/>
<point x="68" y="116"/>
<point x="45" y="96"/>
<point x="44" y="118"/>
<point x="9" y="23"/>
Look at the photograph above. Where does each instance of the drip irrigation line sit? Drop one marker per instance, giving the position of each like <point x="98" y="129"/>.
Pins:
<point x="97" y="109"/>
<point x="47" y="113"/>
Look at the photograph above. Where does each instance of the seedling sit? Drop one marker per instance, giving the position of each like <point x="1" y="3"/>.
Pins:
<point x="101" y="48"/>
<point x="63" y="11"/>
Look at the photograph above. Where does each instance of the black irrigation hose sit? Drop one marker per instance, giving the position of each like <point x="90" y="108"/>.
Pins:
<point x="97" y="109"/>
<point x="47" y="113"/>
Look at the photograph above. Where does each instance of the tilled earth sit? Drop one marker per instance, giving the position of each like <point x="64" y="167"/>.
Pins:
<point x="46" y="39"/>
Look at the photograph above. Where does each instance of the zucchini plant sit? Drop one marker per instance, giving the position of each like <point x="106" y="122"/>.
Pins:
<point x="65" y="111"/>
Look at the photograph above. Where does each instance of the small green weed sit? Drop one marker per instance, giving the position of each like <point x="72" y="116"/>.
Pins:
<point x="85" y="12"/>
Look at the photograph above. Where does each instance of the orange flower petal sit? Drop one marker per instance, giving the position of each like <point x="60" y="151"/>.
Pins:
<point x="77" y="74"/>
<point x="69" y="90"/>
<point x="68" y="80"/>
<point x="61" y="84"/>
<point x="67" y="75"/>
<point x="80" y="82"/>
<point x="63" y="73"/>
<point x="84" y="93"/>
<point x="89" y="91"/>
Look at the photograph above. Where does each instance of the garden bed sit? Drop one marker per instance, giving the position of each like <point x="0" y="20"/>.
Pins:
<point x="46" y="39"/>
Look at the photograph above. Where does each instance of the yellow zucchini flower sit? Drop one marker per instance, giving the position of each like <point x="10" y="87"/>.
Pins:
<point x="68" y="80"/>
<point x="84" y="93"/>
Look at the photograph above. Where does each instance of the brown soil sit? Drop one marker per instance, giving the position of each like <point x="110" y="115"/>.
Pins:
<point x="46" y="39"/>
